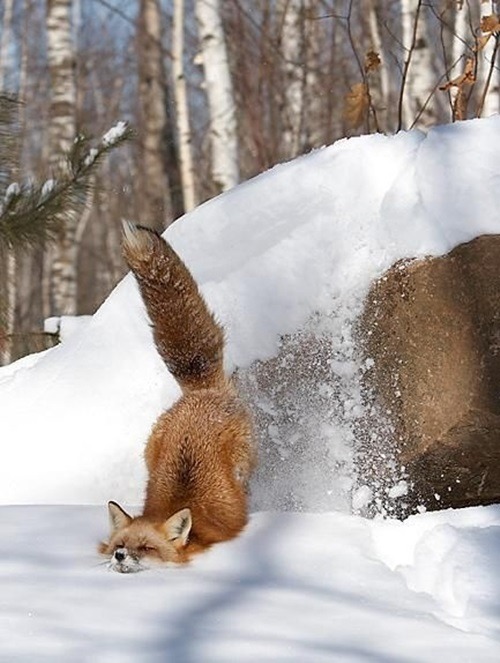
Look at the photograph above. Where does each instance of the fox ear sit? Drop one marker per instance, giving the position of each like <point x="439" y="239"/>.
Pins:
<point x="118" y="518"/>
<point x="178" y="526"/>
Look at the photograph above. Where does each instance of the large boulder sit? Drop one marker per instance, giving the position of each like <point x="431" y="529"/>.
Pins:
<point x="431" y="335"/>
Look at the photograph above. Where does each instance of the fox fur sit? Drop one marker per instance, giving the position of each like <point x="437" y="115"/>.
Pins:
<point x="200" y="453"/>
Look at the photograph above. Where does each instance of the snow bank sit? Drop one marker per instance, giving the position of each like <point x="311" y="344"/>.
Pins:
<point x="295" y="248"/>
<point x="451" y="556"/>
<point x="293" y="587"/>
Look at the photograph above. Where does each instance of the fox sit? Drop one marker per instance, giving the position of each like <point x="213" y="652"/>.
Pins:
<point x="201" y="452"/>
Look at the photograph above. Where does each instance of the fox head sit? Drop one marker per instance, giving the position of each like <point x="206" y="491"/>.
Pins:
<point x="137" y="543"/>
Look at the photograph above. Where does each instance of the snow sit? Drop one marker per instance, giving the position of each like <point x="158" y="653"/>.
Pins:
<point x="285" y="261"/>
<point x="114" y="134"/>
<point x="293" y="587"/>
<point x="65" y="325"/>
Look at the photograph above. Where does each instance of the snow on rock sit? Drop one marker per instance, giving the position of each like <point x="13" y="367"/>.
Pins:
<point x="294" y="249"/>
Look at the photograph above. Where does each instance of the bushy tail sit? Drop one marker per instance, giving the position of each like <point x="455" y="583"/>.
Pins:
<point x="187" y="337"/>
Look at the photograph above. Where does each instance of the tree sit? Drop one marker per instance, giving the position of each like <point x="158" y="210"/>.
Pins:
<point x="32" y="214"/>
<point x="219" y="88"/>
<point x="182" y="109"/>
<point x="162" y="199"/>
<point x="461" y="33"/>
<point x="293" y="44"/>
<point x="62" y="133"/>
<point x="488" y="48"/>
<point x="11" y="262"/>
<point x="418" y="73"/>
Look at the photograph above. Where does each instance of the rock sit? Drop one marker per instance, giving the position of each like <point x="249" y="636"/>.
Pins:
<point x="430" y="332"/>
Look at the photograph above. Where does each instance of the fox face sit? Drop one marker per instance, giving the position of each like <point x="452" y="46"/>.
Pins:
<point x="135" y="544"/>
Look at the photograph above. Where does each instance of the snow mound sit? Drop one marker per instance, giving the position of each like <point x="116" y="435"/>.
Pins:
<point x="291" y="252"/>
<point x="451" y="556"/>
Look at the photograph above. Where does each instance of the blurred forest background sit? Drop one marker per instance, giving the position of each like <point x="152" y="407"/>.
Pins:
<point x="215" y="92"/>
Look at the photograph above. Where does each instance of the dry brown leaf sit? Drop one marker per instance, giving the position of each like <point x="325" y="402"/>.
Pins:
<point x="460" y="105"/>
<point x="356" y="103"/>
<point x="490" y="23"/>
<point x="467" y="77"/>
<point x="481" y="41"/>
<point x="372" y="61"/>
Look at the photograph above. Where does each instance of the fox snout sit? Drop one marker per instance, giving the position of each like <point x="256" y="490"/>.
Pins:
<point x="120" y="554"/>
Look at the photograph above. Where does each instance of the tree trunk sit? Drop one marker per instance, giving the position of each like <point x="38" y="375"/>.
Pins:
<point x="5" y="42"/>
<point x="489" y="67"/>
<point x="420" y="78"/>
<point x="10" y="290"/>
<point x="382" y="102"/>
<point x="291" y="13"/>
<point x="222" y="108"/>
<point x="459" y="48"/>
<point x="182" y="108"/>
<point x="62" y="131"/>
<point x="161" y="197"/>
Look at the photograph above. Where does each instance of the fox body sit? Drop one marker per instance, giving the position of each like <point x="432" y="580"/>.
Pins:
<point x="200" y="453"/>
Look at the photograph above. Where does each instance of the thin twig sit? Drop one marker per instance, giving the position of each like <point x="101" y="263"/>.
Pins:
<point x="433" y="91"/>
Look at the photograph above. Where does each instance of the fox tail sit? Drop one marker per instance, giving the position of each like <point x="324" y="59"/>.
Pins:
<point x="186" y="334"/>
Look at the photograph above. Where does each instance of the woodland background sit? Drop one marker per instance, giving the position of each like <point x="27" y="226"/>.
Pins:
<point x="215" y="92"/>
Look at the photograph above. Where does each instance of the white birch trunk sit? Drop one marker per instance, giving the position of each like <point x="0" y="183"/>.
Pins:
<point x="11" y="262"/>
<point x="491" y="104"/>
<point x="182" y="109"/>
<point x="5" y="42"/>
<point x="222" y="108"/>
<point x="60" y="55"/>
<point x="383" y="102"/>
<point x="461" y="32"/>
<point x="420" y="80"/>
<point x="291" y="13"/>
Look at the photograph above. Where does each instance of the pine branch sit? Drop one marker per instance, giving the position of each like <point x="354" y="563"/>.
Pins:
<point x="31" y="214"/>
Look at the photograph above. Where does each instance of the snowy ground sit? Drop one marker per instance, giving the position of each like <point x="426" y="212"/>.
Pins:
<point x="294" y="587"/>
<point x="292" y="252"/>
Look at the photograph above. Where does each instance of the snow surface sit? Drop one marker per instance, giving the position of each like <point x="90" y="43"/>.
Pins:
<point x="282" y="259"/>
<point x="293" y="587"/>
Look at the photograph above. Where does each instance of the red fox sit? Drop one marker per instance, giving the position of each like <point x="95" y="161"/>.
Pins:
<point x="200" y="453"/>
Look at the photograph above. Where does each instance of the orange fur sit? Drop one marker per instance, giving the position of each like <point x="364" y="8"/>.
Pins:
<point x="200" y="452"/>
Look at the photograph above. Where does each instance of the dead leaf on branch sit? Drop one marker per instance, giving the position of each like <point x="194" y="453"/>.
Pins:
<point x="356" y="104"/>
<point x="460" y="105"/>
<point x="467" y="77"/>
<point x="490" y="23"/>
<point x="481" y="41"/>
<point x="372" y="61"/>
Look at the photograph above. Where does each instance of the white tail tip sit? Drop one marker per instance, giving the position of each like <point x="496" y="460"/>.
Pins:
<point x="136" y="241"/>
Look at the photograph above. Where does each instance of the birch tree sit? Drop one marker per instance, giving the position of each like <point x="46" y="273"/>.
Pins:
<point x="461" y="32"/>
<point x="418" y="71"/>
<point x="182" y="109"/>
<point x="156" y="204"/>
<point x="221" y="103"/>
<point x="488" y="61"/>
<point x="293" y="48"/>
<point x="11" y="266"/>
<point x="377" y="45"/>
<point x="62" y="132"/>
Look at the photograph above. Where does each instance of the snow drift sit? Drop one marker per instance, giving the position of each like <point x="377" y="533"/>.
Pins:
<point x="285" y="260"/>
<point x="294" y="250"/>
